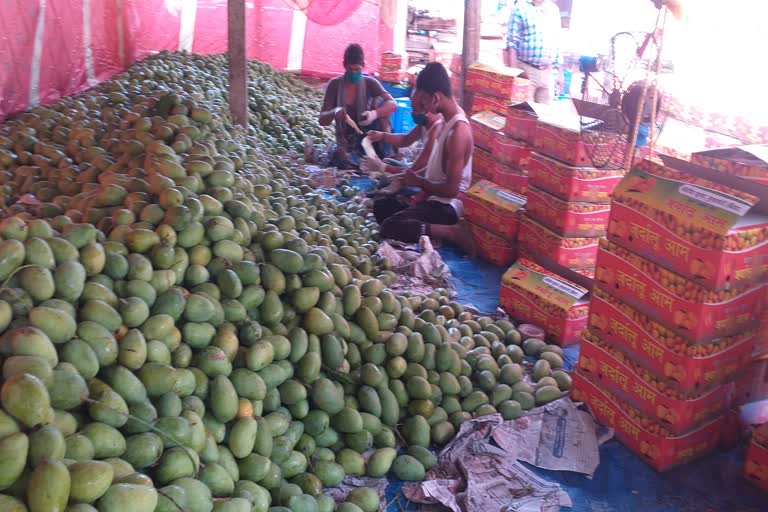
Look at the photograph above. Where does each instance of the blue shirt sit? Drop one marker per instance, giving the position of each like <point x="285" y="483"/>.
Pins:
<point x="534" y="32"/>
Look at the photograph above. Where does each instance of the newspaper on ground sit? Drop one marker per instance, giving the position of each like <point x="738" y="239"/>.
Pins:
<point x="417" y="271"/>
<point x="558" y="437"/>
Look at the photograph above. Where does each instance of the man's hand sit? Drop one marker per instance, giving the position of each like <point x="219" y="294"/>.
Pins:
<point x="411" y="179"/>
<point x="375" y="136"/>
<point x="368" y="117"/>
<point x="340" y="115"/>
<point x="372" y="165"/>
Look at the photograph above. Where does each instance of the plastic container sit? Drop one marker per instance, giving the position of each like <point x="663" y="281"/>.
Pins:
<point x="402" y="120"/>
<point x="397" y="91"/>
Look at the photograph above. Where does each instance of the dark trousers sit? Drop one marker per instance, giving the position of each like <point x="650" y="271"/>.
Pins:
<point x="401" y="221"/>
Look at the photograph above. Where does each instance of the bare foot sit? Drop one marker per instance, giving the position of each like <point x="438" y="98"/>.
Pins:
<point x="458" y="234"/>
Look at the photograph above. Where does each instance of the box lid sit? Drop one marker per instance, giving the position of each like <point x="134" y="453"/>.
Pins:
<point x="490" y="119"/>
<point x="689" y="199"/>
<point x="498" y="70"/>
<point x="489" y="192"/>
<point x="550" y="287"/>
<point x="752" y="159"/>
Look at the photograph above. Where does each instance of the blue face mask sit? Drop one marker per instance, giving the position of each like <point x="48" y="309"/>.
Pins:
<point x="419" y="119"/>
<point x="353" y="77"/>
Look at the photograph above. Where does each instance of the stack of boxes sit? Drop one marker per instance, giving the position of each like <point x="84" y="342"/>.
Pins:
<point x="392" y="67"/>
<point x="567" y="210"/>
<point x="676" y="300"/>
<point x="494" y="204"/>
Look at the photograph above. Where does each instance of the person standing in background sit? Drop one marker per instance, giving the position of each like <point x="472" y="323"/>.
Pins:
<point x="533" y="39"/>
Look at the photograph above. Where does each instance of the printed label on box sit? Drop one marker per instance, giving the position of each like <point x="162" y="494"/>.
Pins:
<point x="494" y="208"/>
<point x="550" y="287"/>
<point x="678" y="303"/>
<point x="677" y="412"/>
<point x="660" y="450"/>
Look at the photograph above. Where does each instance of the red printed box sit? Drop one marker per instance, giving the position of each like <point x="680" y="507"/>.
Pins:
<point x="520" y="122"/>
<point x="756" y="459"/>
<point x="567" y="144"/>
<point x="509" y="151"/>
<point x="698" y="228"/>
<point x="391" y="61"/>
<point x="569" y="183"/>
<point x="683" y="365"/>
<point x="683" y="306"/>
<point x="748" y="162"/>
<point x="510" y="178"/>
<point x="501" y="82"/>
<point x="484" y="103"/>
<point x="574" y="253"/>
<point x="655" y="445"/>
<point x="483" y="164"/>
<point x="492" y="247"/>
<point x="532" y="294"/>
<point x="494" y="208"/>
<point x="567" y="218"/>
<point x="392" y="76"/>
<point x="677" y="412"/>
<point x="752" y="382"/>
<point x="484" y="128"/>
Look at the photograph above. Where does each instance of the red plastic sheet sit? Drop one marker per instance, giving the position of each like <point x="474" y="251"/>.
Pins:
<point x="54" y="48"/>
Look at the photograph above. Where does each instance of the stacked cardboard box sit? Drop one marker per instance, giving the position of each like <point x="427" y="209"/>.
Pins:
<point x="392" y="67"/>
<point x="756" y="463"/>
<point x="677" y="296"/>
<point x="494" y="217"/>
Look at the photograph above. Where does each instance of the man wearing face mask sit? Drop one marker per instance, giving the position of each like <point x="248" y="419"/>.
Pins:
<point x="360" y="98"/>
<point x="445" y="177"/>
<point x="427" y="127"/>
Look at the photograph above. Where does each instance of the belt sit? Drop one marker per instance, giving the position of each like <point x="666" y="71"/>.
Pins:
<point x="537" y="66"/>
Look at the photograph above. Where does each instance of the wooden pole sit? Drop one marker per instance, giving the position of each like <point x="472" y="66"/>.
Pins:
<point x="238" y="62"/>
<point x="471" y="49"/>
<point x="655" y="95"/>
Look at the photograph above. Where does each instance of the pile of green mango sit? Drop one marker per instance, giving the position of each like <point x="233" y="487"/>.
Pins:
<point x="186" y="325"/>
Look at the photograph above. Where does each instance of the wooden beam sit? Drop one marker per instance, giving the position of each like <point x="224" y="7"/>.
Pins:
<point x="471" y="47"/>
<point x="238" y="62"/>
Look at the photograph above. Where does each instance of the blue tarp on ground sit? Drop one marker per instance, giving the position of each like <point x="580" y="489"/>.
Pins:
<point x="623" y="482"/>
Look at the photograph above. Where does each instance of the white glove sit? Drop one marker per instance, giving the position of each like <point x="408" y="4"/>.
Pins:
<point x="372" y="165"/>
<point x="368" y="117"/>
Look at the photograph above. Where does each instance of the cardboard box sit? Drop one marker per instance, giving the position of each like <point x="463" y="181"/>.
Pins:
<point x="565" y="218"/>
<point x="756" y="459"/>
<point x="569" y="183"/>
<point x="684" y="366"/>
<point x="678" y="303"/>
<point x="483" y="164"/>
<point x="564" y="139"/>
<point x="509" y="151"/>
<point x="391" y="61"/>
<point x="484" y="128"/>
<point x="456" y="64"/>
<point x="484" y="103"/>
<point x="494" y="208"/>
<point x="748" y="162"/>
<point x="492" y="247"/>
<point x="677" y="412"/>
<point x="589" y="273"/>
<point x="514" y="180"/>
<point x="501" y="82"/>
<point x="761" y="340"/>
<point x="752" y="382"/>
<point x="574" y="253"/>
<point x="654" y="444"/>
<point x="520" y="122"/>
<point x="392" y="76"/>
<point x="532" y="294"/>
<point x="695" y="227"/>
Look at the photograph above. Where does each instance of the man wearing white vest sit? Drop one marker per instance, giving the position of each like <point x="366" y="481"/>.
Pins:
<point x="439" y="210"/>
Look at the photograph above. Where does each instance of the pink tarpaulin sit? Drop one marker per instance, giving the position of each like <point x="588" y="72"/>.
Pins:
<point x="54" y="48"/>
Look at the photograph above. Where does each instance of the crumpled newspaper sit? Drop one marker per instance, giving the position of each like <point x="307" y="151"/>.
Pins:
<point x="473" y="474"/>
<point x="417" y="272"/>
<point x="558" y="436"/>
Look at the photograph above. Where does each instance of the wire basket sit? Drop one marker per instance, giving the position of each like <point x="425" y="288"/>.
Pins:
<point x="606" y="139"/>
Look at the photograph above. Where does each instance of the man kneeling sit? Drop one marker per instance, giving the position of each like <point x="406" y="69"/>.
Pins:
<point x="447" y="175"/>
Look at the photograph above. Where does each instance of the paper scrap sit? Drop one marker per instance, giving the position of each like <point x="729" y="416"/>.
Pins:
<point x="368" y="148"/>
<point x="419" y="272"/>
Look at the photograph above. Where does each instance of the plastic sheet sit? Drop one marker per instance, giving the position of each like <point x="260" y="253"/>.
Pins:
<point x="54" y="48"/>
